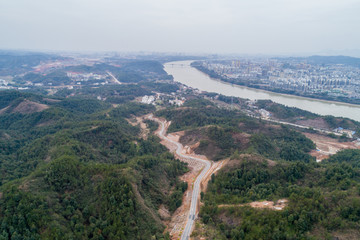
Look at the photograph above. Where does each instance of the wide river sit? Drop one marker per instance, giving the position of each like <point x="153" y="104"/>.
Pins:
<point x="185" y="74"/>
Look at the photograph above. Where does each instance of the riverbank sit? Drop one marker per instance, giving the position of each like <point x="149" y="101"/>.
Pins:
<point x="216" y="77"/>
<point x="187" y="75"/>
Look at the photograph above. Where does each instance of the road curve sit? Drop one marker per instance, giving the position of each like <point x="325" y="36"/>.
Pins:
<point x="196" y="186"/>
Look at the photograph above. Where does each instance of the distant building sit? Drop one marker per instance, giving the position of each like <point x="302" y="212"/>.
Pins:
<point x="3" y="82"/>
<point x="264" y="113"/>
<point x="349" y="133"/>
<point x="148" y="99"/>
<point x="177" y="102"/>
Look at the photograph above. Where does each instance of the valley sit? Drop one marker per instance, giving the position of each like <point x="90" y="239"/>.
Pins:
<point x="151" y="158"/>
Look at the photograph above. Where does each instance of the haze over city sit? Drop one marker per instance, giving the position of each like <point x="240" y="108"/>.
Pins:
<point x="230" y="26"/>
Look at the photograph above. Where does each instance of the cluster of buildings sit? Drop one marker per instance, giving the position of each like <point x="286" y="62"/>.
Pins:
<point x="160" y="98"/>
<point x="148" y="99"/>
<point x="334" y="79"/>
<point x="4" y="84"/>
<point x="76" y="76"/>
<point x="348" y="133"/>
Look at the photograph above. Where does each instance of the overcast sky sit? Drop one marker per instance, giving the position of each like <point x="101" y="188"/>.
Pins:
<point x="192" y="26"/>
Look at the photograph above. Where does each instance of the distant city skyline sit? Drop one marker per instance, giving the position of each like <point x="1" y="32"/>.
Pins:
<point x="272" y="27"/>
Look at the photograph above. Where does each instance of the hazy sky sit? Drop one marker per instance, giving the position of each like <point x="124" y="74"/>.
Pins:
<point x="201" y="26"/>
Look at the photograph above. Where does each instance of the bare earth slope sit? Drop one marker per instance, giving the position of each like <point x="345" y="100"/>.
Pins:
<point x="25" y="107"/>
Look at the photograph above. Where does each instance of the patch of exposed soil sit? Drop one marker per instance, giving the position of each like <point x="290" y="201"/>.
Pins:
<point x="323" y="234"/>
<point x="43" y="124"/>
<point x="139" y="121"/>
<point x="348" y="235"/>
<point x="191" y="137"/>
<point x="231" y="221"/>
<point x="314" y="123"/>
<point x="278" y="205"/>
<point x="25" y="185"/>
<point x="26" y="107"/>
<point x="327" y="146"/>
<point x="164" y="213"/>
<point x="4" y="110"/>
<point x="242" y="140"/>
<point x="191" y="142"/>
<point x="215" y="167"/>
<point x="6" y="136"/>
<point x="210" y="150"/>
<point x="51" y="100"/>
<point x="47" y="159"/>
<point x="233" y="163"/>
<point x="97" y="178"/>
<point x="142" y="203"/>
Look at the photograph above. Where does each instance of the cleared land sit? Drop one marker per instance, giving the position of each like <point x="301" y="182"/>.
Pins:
<point x="326" y="146"/>
<point x="278" y="205"/>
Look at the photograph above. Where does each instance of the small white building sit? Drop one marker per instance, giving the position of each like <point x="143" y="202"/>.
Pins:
<point x="264" y="113"/>
<point x="177" y="102"/>
<point x="148" y="99"/>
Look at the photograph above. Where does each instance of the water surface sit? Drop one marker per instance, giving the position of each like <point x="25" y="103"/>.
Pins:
<point x="185" y="74"/>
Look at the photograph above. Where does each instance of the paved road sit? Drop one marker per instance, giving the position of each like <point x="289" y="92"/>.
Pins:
<point x="196" y="187"/>
<point x="301" y="126"/>
<point x="114" y="78"/>
<point x="296" y="125"/>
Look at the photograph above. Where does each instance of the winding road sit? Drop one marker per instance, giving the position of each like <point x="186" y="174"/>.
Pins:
<point x="196" y="186"/>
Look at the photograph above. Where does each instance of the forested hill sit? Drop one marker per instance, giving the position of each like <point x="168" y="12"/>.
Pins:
<point x="221" y="132"/>
<point x="74" y="167"/>
<point x="269" y="162"/>
<point x="17" y="62"/>
<point x="78" y="170"/>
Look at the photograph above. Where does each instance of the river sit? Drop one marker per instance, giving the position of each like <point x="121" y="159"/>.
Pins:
<point x="185" y="74"/>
